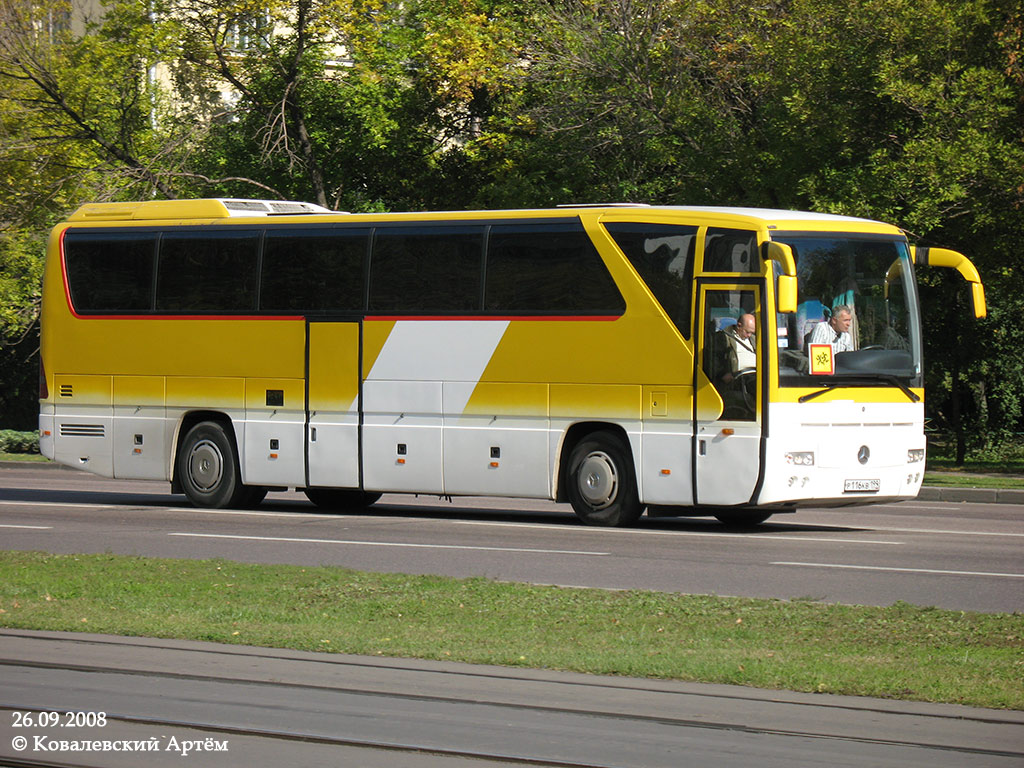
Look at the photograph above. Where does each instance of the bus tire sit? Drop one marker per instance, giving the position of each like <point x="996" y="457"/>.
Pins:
<point x="341" y="498"/>
<point x="602" y="484"/>
<point x="208" y="467"/>
<point x="743" y="517"/>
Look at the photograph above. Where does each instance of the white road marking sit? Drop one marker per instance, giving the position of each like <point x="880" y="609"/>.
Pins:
<point x="388" y="544"/>
<point x="58" y="504"/>
<point x="254" y="513"/>
<point x="939" y="531"/>
<point x="198" y="510"/>
<point x="929" y="507"/>
<point x="765" y="536"/>
<point x="904" y="570"/>
<point x="32" y="527"/>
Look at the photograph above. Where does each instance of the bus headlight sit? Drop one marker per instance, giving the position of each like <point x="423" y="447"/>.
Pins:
<point x="914" y="455"/>
<point x="802" y="458"/>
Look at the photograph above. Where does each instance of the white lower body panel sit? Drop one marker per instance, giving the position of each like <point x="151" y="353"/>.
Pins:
<point x="856" y="447"/>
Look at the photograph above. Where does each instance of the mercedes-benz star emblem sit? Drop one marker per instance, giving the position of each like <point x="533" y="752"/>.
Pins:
<point x="863" y="454"/>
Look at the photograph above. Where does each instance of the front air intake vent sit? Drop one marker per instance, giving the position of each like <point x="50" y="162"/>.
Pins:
<point x="81" y="430"/>
<point x="67" y="390"/>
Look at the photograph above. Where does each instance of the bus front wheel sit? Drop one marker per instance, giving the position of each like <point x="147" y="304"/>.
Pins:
<point x="208" y="467"/>
<point x="602" y="485"/>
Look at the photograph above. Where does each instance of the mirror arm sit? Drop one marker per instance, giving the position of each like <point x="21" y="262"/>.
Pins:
<point x="943" y="257"/>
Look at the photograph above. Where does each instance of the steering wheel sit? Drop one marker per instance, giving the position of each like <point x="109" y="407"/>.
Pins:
<point x="745" y="380"/>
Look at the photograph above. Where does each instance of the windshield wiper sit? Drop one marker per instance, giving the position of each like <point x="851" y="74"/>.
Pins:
<point x="903" y="387"/>
<point x="911" y="395"/>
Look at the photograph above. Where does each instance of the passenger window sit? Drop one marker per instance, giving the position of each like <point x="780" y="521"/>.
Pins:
<point x="110" y="271"/>
<point x="327" y="276"/>
<point x="208" y="271"/>
<point x="731" y="250"/>
<point x="662" y="254"/>
<point x="548" y="268"/>
<point x="426" y="269"/>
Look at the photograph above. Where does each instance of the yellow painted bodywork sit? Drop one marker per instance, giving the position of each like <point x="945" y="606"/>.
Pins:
<point x="142" y="391"/>
<point x="515" y="399"/>
<point x="83" y="389"/>
<point x="333" y="366"/>
<point x="552" y="367"/>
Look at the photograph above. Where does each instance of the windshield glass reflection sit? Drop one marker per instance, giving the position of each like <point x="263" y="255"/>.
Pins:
<point x="858" y="297"/>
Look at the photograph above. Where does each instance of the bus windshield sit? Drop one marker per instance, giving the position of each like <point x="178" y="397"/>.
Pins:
<point x="858" y="296"/>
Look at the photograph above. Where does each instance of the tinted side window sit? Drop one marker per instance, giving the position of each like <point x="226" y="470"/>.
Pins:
<point x="731" y="250"/>
<point x="208" y="271"/>
<point x="313" y="269"/>
<point x="545" y="268"/>
<point x="110" y="272"/>
<point x="662" y="254"/>
<point x="426" y="269"/>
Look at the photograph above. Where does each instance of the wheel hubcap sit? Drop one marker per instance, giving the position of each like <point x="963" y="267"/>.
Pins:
<point x="598" y="480"/>
<point x="205" y="465"/>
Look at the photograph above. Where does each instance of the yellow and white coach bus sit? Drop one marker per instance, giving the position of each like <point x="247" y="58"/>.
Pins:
<point x="685" y="361"/>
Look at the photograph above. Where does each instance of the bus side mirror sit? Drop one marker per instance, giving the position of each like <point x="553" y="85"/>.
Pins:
<point x="943" y="257"/>
<point x="785" y="299"/>
<point x="978" y="299"/>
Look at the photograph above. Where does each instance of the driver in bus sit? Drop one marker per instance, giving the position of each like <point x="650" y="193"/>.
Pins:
<point x="835" y="330"/>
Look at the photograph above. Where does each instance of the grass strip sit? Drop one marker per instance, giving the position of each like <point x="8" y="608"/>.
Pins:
<point x="958" y="480"/>
<point x="901" y="651"/>
<point x="27" y="457"/>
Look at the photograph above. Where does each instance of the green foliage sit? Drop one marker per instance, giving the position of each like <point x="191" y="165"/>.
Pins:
<point x="21" y="273"/>
<point x="12" y="441"/>
<point x="21" y="269"/>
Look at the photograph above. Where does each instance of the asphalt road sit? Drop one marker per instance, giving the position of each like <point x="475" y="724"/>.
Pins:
<point x="964" y="556"/>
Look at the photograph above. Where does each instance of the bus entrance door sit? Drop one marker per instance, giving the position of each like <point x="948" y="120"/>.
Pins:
<point x="728" y="412"/>
<point x="333" y="424"/>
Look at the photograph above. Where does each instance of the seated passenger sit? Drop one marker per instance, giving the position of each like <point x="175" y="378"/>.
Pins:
<point x="740" y="348"/>
<point x="734" y="360"/>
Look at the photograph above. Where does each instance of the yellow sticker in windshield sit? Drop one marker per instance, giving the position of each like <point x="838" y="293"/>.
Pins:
<point x="821" y="360"/>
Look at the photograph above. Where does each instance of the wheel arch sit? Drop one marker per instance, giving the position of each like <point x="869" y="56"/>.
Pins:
<point x="185" y="423"/>
<point x="573" y="435"/>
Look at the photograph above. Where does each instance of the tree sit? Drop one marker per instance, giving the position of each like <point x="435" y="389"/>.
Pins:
<point x="350" y="103"/>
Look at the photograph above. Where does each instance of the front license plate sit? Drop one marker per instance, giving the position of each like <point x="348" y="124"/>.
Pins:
<point x="861" y="486"/>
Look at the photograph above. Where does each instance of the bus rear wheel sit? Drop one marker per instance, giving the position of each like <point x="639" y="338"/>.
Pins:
<point x="602" y="485"/>
<point x="208" y="467"/>
<point x="341" y="498"/>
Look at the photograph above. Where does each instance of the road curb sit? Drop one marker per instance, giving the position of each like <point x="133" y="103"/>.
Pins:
<point x="928" y="492"/>
<point x="977" y="495"/>
<point x="35" y="465"/>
